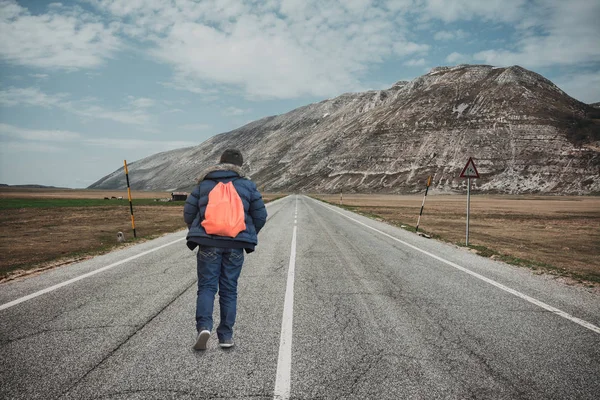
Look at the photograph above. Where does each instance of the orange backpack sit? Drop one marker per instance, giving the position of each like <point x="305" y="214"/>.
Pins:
<point x="224" y="214"/>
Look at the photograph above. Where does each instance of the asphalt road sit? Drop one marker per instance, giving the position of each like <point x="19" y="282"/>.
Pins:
<point x="371" y="312"/>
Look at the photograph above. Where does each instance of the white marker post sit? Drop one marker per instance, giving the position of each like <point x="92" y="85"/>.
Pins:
<point x="469" y="171"/>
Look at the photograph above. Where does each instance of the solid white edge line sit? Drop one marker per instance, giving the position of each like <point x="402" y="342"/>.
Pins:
<point x="538" y="303"/>
<point x="284" y="361"/>
<point x="94" y="272"/>
<point x="59" y="285"/>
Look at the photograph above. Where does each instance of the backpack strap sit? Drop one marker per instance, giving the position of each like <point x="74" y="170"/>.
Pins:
<point x="217" y="181"/>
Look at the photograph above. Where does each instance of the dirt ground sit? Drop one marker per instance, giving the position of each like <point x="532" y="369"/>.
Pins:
<point x="561" y="232"/>
<point x="39" y="238"/>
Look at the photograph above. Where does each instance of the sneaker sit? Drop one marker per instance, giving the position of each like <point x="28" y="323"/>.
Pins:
<point x="202" y="339"/>
<point x="226" y="343"/>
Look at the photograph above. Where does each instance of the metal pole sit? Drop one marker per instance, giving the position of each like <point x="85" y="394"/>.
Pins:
<point x="468" y="206"/>
<point x="341" y="197"/>
<point x="423" y="204"/>
<point x="129" y="194"/>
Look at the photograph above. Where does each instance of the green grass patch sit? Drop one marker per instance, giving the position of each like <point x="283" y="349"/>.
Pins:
<point x="10" y="203"/>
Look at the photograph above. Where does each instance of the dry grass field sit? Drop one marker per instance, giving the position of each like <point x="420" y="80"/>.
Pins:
<point x="35" y="193"/>
<point x="558" y="235"/>
<point x="43" y="228"/>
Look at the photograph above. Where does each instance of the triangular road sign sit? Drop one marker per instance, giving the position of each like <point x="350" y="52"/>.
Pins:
<point x="469" y="171"/>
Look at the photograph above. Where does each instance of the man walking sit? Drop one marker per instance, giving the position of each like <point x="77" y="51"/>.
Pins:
<point x="220" y="257"/>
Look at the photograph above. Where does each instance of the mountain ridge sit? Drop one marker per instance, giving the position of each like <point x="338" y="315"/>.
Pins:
<point x="525" y="134"/>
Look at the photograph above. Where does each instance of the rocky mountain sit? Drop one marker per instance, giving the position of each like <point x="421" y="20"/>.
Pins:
<point x="524" y="134"/>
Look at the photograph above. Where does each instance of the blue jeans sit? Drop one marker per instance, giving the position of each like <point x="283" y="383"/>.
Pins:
<point x="218" y="268"/>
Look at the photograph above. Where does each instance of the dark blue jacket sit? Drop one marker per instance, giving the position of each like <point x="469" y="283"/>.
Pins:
<point x="195" y="207"/>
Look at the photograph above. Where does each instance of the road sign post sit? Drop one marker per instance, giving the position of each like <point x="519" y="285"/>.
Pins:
<point x="468" y="208"/>
<point x="469" y="171"/>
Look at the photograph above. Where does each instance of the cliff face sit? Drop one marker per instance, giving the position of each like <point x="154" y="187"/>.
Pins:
<point x="524" y="133"/>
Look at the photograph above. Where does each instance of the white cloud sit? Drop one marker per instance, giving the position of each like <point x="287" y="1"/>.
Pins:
<point x="172" y="111"/>
<point x="415" y="62"/>
<point x="443" y="35"/>
<point x="39" y="76"/>
<point x="455" y="10"/>
<point x="30" y="97"/>
<point x="457" y="58"/>
<point x="234" y="111"/>
<point x="36" y="140"/>
<point x="65" y="39"/>
<point x="289" y="48"/>
<point x="23" y="140"/>
<point x="559" y="33"/>
<point x="267" y="49"/>
<point x="132" y="117"/>
<point x="11" y="147"/>
<point x="400" y="5"/>
<point x="35" y="97"/>
<point x="141" y="102"/>
<point x="15" y="132"/>
<point x="450" y="35"/>
<point x="179" y="102"/>
<point x="407" y="48"/>
<point x="181" y="82"/>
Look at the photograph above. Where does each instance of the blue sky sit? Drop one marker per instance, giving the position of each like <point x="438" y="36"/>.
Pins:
<point x="85" y="84"/>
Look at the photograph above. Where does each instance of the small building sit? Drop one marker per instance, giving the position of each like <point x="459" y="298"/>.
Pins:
<point x="179" y="196"/>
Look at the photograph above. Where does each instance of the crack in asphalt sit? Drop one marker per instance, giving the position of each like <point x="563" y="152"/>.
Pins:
<point x="179" y="392"/>
<point x="115" y="349"/>
<point x="44" y="331"/>
<point x="449" y="338"/>
<point x="353" y="371"/>
<point x="451" y="346"/>
<point x="349" y="382"/>
<point x="362" y="368"/>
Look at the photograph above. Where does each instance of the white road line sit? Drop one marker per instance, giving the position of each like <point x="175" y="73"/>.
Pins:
<point x="97" y="271"/>
<point x="538" y="303"/>
<point x="58" y="286"/>
<point x="284" y="362"/>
